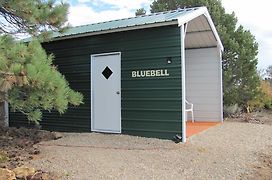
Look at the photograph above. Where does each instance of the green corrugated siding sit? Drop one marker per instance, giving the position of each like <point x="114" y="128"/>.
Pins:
<point x="150" y="106"/>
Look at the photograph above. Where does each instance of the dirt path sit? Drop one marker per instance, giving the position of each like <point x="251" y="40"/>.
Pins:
<point x="228" y="151"/>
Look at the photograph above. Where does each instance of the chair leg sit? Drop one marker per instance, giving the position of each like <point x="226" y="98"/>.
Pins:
<point x="193" y="118"/>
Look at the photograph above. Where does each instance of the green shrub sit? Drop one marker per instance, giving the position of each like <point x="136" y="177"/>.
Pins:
<point x="263" y="100"/>
<point x="232" y="110"/>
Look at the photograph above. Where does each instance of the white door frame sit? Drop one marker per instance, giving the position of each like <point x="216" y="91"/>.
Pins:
<point x="92" y="94"/>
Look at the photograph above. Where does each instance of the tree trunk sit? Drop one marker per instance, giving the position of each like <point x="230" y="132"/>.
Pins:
<point x="3" y="114"/>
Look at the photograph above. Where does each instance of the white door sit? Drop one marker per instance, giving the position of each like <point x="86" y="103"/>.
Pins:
<point x="106" y="92"/>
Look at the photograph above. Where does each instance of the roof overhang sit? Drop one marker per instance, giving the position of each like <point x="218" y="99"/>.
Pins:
<point x="194" y="14"/>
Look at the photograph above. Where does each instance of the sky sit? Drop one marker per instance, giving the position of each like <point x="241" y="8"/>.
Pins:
<point x="254" y="16"/>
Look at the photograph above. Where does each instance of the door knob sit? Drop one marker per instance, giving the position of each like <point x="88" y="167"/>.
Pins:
<point x="118" y="92"/>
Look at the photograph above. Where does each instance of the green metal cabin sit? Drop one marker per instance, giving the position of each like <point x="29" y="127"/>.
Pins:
<point x="136" y="73"/>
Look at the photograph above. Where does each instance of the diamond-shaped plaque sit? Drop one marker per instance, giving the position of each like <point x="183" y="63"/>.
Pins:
<point x="107" y="72"/>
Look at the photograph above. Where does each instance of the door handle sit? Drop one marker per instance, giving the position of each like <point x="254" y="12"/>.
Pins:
<point x="118" y="92"/>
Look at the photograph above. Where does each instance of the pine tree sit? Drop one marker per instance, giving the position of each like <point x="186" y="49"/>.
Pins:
<point x="241" y="80"/>
<point x="34" y="17"/>
<point x="140" y="12"/>
<point x="28" y="79"/>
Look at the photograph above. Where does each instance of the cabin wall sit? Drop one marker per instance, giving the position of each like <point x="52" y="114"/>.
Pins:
<point x="151" y="106"/>
<point x="204" y="83"/>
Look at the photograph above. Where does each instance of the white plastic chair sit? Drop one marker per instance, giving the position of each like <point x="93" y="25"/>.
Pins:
<point x="190" y="109"/>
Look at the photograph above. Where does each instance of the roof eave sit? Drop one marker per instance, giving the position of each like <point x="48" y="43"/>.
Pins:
<point x="194" y="14"/>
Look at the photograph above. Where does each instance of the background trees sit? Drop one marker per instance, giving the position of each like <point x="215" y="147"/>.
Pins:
<point x="140" y="12"/>
<point x="33" y="17"/>
<point x="29" y="81"/>
<point x="269" y="72"/>
<point x="241" y="80"/>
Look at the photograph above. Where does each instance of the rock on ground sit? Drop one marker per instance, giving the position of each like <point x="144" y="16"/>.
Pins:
<point x="24" y="172"/>
<point x="6" y="174"/>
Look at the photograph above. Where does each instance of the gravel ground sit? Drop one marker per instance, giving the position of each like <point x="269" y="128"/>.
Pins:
<point x="227" y="151"/>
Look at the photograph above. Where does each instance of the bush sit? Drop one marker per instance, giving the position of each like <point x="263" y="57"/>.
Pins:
<point x="268" y="105"/>
<point x="263" y="100"/>
<point x="232" y="110"/>
<point x="267" y="90"/>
